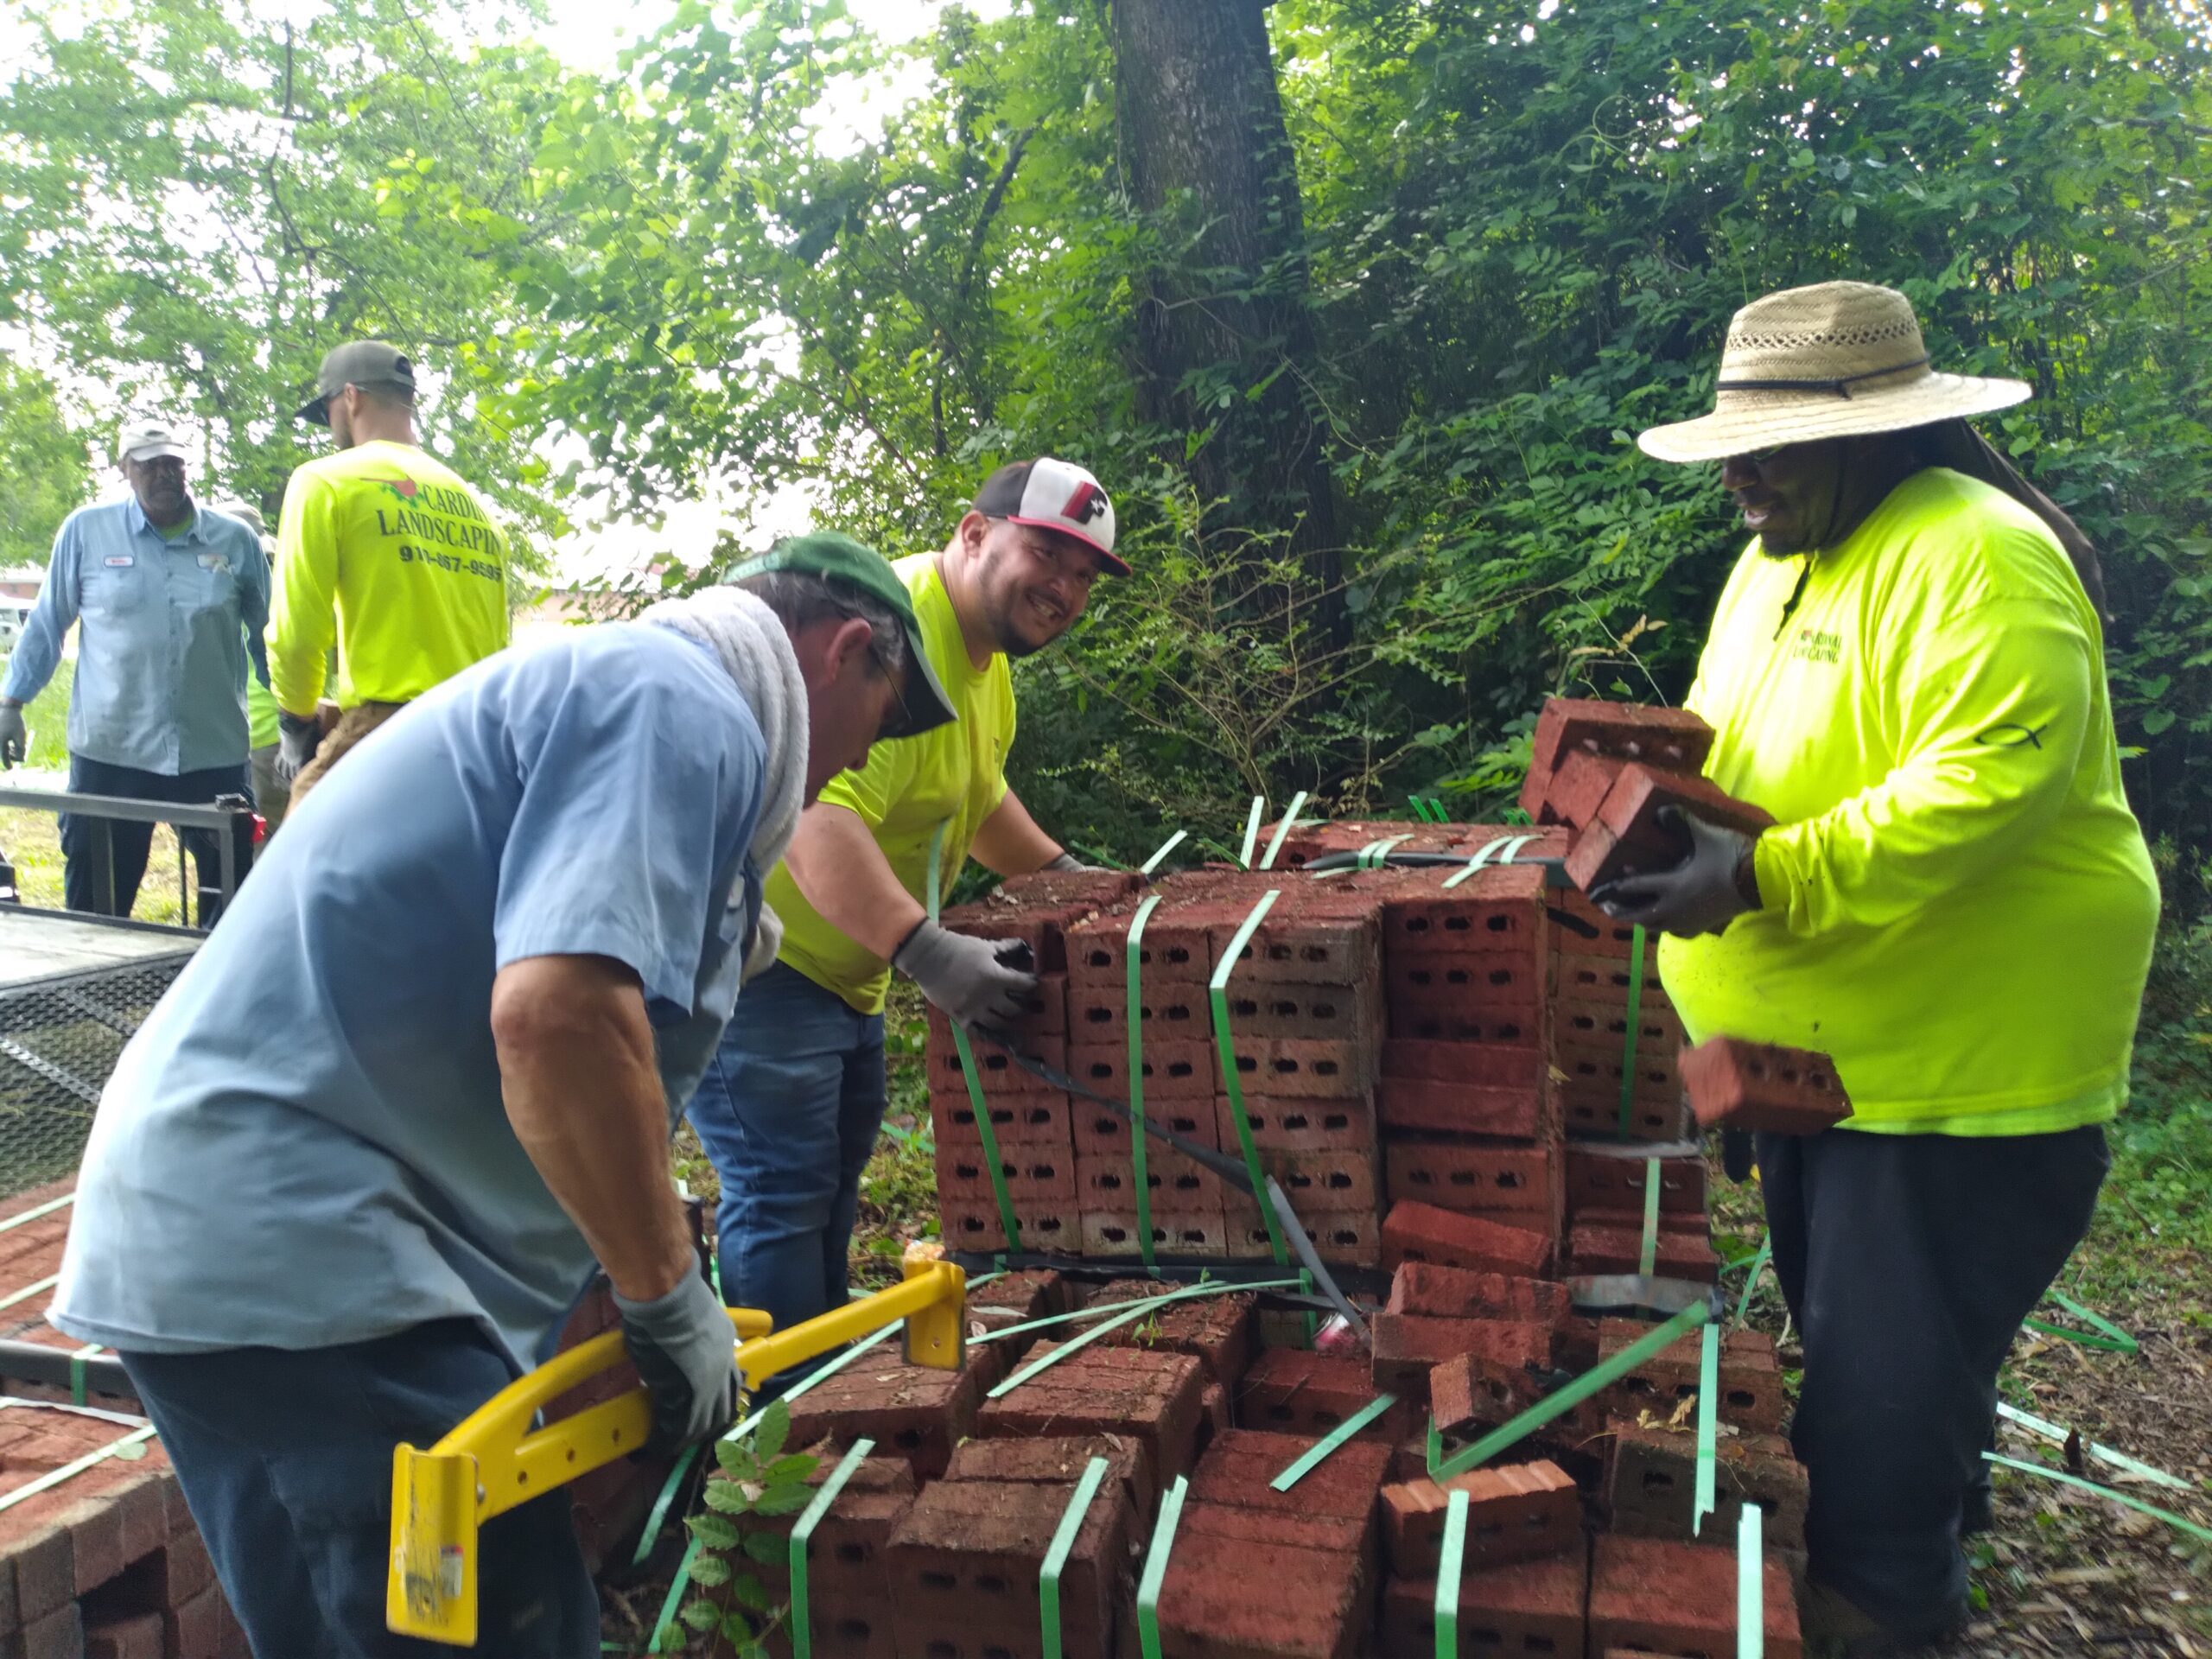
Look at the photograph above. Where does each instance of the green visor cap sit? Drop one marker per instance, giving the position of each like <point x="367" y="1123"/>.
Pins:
<point x="847" y="563"/>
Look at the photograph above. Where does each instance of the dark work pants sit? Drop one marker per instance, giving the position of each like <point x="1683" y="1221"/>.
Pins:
<point x="285" y="1460"/>
<point x="105" y="859"/>
<point x="1909" y="1262"/>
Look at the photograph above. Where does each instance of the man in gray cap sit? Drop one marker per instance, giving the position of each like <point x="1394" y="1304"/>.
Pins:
<point x="170" y="601"/>
<point x="383" y="548"/>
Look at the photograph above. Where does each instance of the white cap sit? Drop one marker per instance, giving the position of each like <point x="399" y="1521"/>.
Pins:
<point x="1052" y="494"/>
<point x="151" y="440"/>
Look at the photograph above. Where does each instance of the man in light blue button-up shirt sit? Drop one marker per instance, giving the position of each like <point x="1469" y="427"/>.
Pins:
<point x="170" y="600"/>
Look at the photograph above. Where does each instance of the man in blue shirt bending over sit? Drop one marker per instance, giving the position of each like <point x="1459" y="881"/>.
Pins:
<point x="349" y="1177"/>
<point x="169" y="600"/>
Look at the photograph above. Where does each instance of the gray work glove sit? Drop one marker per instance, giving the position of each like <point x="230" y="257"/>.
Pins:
<point x="971" y="980"/>
<point x="298" y="738"/>
<point x="685" y="1348"/>
<point x="1702" y="894"/>
<point x="1069" y="861"/>
<point x="14" y="736"/>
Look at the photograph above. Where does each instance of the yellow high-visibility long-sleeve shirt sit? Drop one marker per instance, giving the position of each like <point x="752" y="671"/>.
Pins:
<point x="394" y="543"/>
<point x="1957" y="903"/>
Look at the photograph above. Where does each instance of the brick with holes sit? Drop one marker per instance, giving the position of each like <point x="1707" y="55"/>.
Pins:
<point x="1101" y="1132"/>
<point x="1056" y="1460"/>
<point x="1750" y="1378"/>
<point x="1498" y="984"/>
<point x="1444" y="1017"/>
<point x="994" y="1068"/>
<point x="1297" y="1391"/>
<point x="963" y="1563"/>
<point x="1596" y="1180"/>
<point x="1604" y="1020"/>
<point x="1174" y="1181"/>
<point x="1516" y="1512"/>
<point x="1651" y="1484"/>
<point x="1219" y="1332"/>
<point x="1485" y="1179"/>
<point x="849" y="1586"/>
<point x="1182" y="1234"/>
<point x="1524" y="1608"/>
<point x="1681" y="1599"/>
<point x="1471" y="1392"/>
<point x="1047" y="1229"/>
<point x="1417" y="1231"/>
<point x="1673" y="739"/>
<point x="1303" y="942"/>
<point x="1306" y="1067"/>
<point x="1593" y="1109"/>
<point x="1100" y="1014"/>
<point x="1344" y="1238"/>
<point x="1602" y="981"/>
<point x="1600" y="1061"/>
<point x="1150" y="1396"/>
<point x="1180" y="1069"/>
<point x="1597" y="1244"/>
<point x="1345" y="1013"/>
<point x="1631" y="834"/>
<point x="1408" y="1345"/>
<point x="1033" y="1176"/>
<point x="1496" y="911"/>
<point x="1299" y="1123"/>
<point x="1434" y="1290"/>
<point x="910" y="1411"/>
<point x="1762" y="1087"/>
<point x="1177" y="948"/>
<point x="1317" y="1183"/>
<point x="1016" y="1120"/>
<point x="1045" y="1015"/>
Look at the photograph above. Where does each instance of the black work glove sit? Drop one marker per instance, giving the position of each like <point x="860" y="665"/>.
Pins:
<point x="16" y="737"/>
<point x="1702" y="894"/>
<point x="298" y="736"/>
<point x="685" y="1348"/>
<point x="972" y="980"/>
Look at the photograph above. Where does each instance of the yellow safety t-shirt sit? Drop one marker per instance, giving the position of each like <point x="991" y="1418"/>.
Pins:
<point x="1958" y="905"/>
<point x="955" y="772"/>
<point x="417" y="570"/>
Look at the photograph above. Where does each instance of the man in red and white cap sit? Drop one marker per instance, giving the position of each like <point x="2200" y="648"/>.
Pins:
<point x="790" y="1110"/>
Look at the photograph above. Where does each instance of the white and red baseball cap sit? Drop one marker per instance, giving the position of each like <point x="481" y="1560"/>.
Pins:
<point x="1051" y="494"/>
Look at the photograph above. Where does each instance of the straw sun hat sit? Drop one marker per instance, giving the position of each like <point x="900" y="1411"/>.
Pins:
<point x="1834" y="360"/>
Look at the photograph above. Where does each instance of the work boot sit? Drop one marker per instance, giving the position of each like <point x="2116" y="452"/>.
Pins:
<point x="1835" y="1628"/>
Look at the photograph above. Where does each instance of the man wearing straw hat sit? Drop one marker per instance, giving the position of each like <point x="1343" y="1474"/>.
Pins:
<point x="1907" y="669"/>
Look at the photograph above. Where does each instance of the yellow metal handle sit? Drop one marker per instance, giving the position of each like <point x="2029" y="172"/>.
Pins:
<point x="493" y="1460"/>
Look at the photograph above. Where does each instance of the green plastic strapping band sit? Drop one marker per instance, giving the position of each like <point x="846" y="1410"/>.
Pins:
<point x="2202" y="1534"/>
<point x="1708" y="1416"/>
<point x="984" y="1131"/>
<point x="658" y="1516"/>
<point x="1435" y="1460"/>
<point x="2113" y="1339"/>
<point x="1750" y="1584"/>
<point x="1136" y="1310"/>
<point x="29" y="1291"/>
<point x="38" y="1209"/>
<point x="1634" y="1019"/>
<point x="1056" y="1558"/>
<point x="1437" y="812"/>
<point x="1751" y="1279"/>
<point x="1650" y="1257"/>
<point x="1134" y="953"/>
<point x="77" y="1370"/>
<point x="1319" y="1451"/>
<point x="1449" y="1558"/>
<point x="1572" y="1393"/>
<point x="1232" y="1086"/>
<point x="1289" y="817"/>
<point x="128" y="1448"/>
<point x="1155" y="1567"/>
<point x="682" y="1582"/>
<point x="1503" y="850"/>
<point x="1252" y="831"/>
<point x="1166" y="848"/>
<point x="2120" y="1461"/>
<point x="1421" y="809"/>
<point x="803" y="1535"/>
<point x="1377" y="853"/>
<point x="1083" y="1315"/>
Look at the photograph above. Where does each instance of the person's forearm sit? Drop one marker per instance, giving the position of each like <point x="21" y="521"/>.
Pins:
<point x="835" y="862"/>
<point x="1009" y="842"/>
<point x="576" y="1070"/>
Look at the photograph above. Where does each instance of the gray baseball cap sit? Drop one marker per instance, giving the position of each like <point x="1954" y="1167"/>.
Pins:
<point x="367" y="363"/>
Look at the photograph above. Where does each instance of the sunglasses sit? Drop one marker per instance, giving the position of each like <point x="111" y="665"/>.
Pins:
<point x="904" y="725"/>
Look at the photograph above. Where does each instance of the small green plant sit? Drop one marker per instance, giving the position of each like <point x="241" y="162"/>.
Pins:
<point x="756" y="1481"/>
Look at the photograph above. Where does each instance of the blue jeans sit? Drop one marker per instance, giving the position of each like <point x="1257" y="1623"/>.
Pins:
<point x="788" y="1111"/>
<point x="285" y="1460"/>
<point x="103" y="859"/>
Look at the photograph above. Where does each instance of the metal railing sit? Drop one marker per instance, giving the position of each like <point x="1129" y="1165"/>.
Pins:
<point x="227" y="820"/>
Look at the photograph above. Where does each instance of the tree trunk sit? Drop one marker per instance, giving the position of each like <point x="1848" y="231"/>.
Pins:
<point x="1203" y="145"/>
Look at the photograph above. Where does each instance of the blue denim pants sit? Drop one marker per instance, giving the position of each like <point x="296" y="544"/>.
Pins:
<point x="285" y="1460"/>
<point x="788" y="1112"/>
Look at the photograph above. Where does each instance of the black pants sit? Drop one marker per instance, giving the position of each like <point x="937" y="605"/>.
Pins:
<point x="105" y="859"/>
<point x="1909" y="1263"/>
<point x="285" y="1460"/>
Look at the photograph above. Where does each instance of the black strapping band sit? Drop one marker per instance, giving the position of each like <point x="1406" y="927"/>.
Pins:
<point x="1839" y="387"/>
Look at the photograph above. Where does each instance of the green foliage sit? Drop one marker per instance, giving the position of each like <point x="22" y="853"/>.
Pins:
<point x="47" y="474"/>
<point x="756" y="1480"/>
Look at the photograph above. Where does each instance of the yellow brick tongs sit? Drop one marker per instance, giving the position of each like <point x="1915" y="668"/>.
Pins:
<point x="494" y="1460"/>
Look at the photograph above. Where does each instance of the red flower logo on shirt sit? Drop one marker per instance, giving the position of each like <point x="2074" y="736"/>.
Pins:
<point x="402" y="487"/>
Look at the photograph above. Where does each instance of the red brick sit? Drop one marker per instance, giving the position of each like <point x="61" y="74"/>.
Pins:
<point x="58" y="1635"/>
<point x="1044" y="1017"/>
<point x="1102" y="1131"/>
<point x="1629" y="836"/>
<point x="1344" y="1535"/>
<point x="1473" y="1392"/>
<point x="1040" y="910"/>
<point x="1099" y="1013"/>
<point x="1154" y="1398"/>
<point x="1309" y="841"/>
<point x="1233" y="1599"/>
<point x="1336" y="1013"/>
<point x="1307" y="1067"/>
<point x="1348" y="1239"/>
<point x="42" y="1560"/>
<point x="1499" y="983"/>
<point x="195" y="1628"/>
<point x="1487" y="1065"/>
<point x="1215" y="1330"/>
<point x="1670" y="738"/>
<point x="966" y="1556"/>
<point x="1241" y="1465"/>
<point x="1594" y="1109"/>
<point x="185" y="1568"/>
<point x="1317" y="1183"/>
<point x="1296" y="1391"/>
<point x="1173" y="952"/>
<point x="1681" y="1599"/>
<point x="1602" y="1020"/>
<point x="1407" y="1345"/>
<point x="996" y="1069"/>
<point x="1034" y="1176"/>
<point x="1498" y="911"/>
<point x="1591" y="981"/>
<point x="1182" y="1068"/>
<point x="1193" y="1233"/>
<point x="1597" y="1181"/>
<point x="1419" y="1104"/>
<point x="1595" y="1248"/>
<point x="1524" y="1608"/>
<point x="1055" y="1459"/>
<point x="1054" y="1229"/>
<point x="1300" y="1123"/>
<point x="1751" y="1379"/>
<point x="1106" y="1182"/>
<point x="1414" y="1231"/>
<point x="1298" y="943"/>
<point x="1437" y="1291"/>
<point x="1501" y="1181"/>
<point x="1651" y="1480"/>
<point x="1657" y="1078"/>
<point x="1016" y="1120"/>
<point x="1762" y="1087"/>
<point x="1578" y="788"/>
<point x="138" y="1638"/>
<point x="910" y="1411"/>
<point x="1446" y="1017"/>
<point x="1031" y="1294"/>
<point x="1516" y="1512"/>
<point x="1050" y="889"/>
